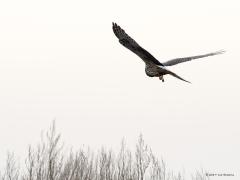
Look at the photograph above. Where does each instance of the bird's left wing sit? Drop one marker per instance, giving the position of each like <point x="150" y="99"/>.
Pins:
<point x="132" y="45"/>
<point x="181" y="60"/>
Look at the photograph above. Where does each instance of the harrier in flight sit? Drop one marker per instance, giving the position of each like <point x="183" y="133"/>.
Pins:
<point x="153" y="67"/>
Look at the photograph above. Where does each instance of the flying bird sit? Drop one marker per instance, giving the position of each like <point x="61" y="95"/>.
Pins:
<point x="153" y="67"/>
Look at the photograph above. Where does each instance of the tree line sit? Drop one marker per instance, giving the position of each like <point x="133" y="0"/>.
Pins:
<point x="49" y="161"/>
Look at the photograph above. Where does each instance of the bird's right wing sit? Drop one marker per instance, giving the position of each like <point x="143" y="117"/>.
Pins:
<point x="132" y="45"/>
<point x="181" y="60"/>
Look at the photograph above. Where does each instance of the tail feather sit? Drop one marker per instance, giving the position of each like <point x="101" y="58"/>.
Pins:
<point x="176" y="76"/>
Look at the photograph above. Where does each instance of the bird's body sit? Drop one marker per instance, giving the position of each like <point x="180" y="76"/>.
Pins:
<point x="152" y="70"/>
<point x="153" y="67"/>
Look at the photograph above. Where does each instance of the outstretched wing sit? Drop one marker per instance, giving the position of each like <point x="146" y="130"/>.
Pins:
<point x="132" y="45"/>
<point x="181" y="60"/>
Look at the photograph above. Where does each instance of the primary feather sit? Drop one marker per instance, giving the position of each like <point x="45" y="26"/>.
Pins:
<point x="185" y="59"/>
<point x="132" y="45"/>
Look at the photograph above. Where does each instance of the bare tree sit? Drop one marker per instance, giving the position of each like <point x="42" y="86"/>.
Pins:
<point x="49" y="161"/>
<point x="54" y="157"/>
<point x="142" y="158"/>
<point x="200" y="175"/>
<point x="45" y="162"/>
<point x="157" y="169"/>
<point x="11" y="171"/>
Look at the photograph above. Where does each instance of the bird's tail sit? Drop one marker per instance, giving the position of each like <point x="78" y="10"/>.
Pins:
<point x="176" y="76"/>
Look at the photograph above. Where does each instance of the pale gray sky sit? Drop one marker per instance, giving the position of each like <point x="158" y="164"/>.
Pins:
<point x="60" y="60"/>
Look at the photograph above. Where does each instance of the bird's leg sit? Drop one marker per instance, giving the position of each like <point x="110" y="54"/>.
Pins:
<point x="161" y="78"/>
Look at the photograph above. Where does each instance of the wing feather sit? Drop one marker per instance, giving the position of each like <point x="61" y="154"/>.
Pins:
<point x="185" y="59"/>
<point x="132" y="45"/>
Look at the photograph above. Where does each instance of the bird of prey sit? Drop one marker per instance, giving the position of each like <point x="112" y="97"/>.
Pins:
<point x="153" y="67"/>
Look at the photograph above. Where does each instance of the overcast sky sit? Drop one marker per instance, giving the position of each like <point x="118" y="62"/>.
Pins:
<point x="60" y="60"/>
